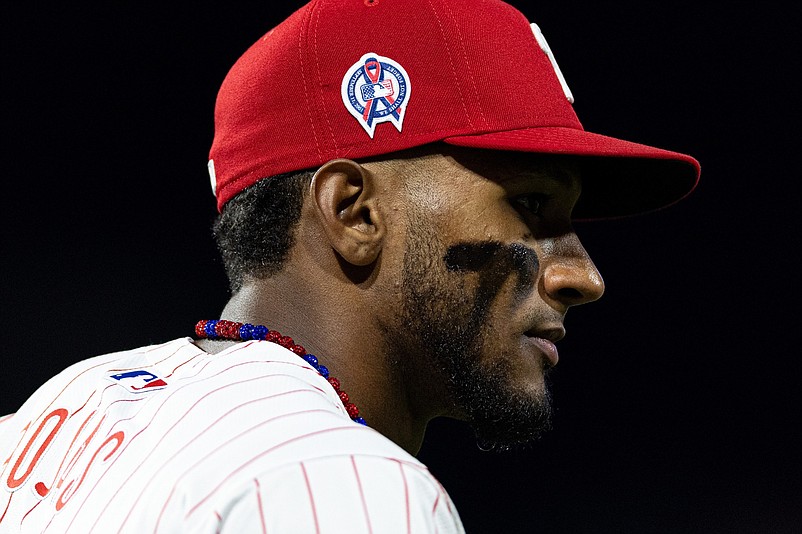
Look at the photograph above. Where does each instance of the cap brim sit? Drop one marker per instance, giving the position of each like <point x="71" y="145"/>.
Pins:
<point x="619" y="178"/>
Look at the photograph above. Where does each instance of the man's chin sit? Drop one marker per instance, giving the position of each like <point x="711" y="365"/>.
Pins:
<point x="512" y="421"/>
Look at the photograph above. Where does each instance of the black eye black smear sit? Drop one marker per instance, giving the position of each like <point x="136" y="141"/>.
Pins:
<point x="444" y="320"/>
<point x="494" y="262"/>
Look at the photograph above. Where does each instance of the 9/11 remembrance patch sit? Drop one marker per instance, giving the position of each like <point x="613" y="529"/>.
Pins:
<point x="376" y="89"/>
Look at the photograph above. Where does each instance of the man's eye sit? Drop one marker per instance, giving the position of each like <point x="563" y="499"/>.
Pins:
<point x="531" y="203"/>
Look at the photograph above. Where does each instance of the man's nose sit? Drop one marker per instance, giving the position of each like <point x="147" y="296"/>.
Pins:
<point x="569" y="275"/>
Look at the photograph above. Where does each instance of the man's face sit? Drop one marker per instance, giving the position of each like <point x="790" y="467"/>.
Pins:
<point x="490" y="267"/>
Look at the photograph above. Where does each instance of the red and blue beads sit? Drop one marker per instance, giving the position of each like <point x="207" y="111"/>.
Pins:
<point x="234" y="331"/>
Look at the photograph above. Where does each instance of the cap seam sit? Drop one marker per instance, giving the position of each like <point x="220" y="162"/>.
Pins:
<point x="467" y="64"/>
<point x="317" y="69"/>
<point x="451" y="63"/>
<point x="305" y="29"/>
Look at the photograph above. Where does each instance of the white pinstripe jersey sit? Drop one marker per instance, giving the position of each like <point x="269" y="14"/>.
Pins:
<point x="169" y="438"/>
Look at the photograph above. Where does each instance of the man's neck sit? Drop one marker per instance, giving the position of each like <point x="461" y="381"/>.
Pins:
<point x="351" y="348"/>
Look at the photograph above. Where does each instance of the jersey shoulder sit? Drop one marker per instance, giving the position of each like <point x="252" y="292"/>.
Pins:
<point x="80" y="379"/>
<point x="357" y="493"/>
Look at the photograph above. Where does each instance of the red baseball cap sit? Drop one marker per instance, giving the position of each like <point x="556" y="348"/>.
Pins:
<point x="360" y="78"/>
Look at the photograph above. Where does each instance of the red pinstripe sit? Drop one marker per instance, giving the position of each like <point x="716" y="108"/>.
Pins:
<point x="311" y="498"/>
<point x="247" y="344"/>
<point x="88" y="399"/>
<point x="7" y="506"/>
<point x="28" y="512"/>
<point x="5" y="418"/>
<point x="352" y="427"/>
<point x="101" y="364"/>
<point x="179" y="366"/>
<point x="112" y="403"/>
<point x="362" y="495"/>
<point x="406" y="497"/>
<point x="434" y="507"/>
<point x="76" y="377"/>
<point x="186" y="413"/>
<point x="219" y="521"/>
<point x="154" y="348"/>
<point x="444" y="492"/>
<point x="261" y="507"/>
<point x="52" y="402"/>
<point x="177" y="453"/>
<point x="143" y="429"/>
<point x="19" y="442"/>
<point x="193" y="466"/>
<point x="154" y="364"/>
<point x="434" y="513"/>
<point x="188" y="346"/>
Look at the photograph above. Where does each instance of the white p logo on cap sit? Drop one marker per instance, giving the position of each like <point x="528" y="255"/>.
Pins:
<point x="545" y="47"/>
<point x="212" y="176"/>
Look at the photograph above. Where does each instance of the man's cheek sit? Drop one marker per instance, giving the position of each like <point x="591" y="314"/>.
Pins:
<point x="495" y="262"/>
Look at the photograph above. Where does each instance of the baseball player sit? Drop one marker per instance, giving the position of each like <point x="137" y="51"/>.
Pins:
<point x="396" y="183"/>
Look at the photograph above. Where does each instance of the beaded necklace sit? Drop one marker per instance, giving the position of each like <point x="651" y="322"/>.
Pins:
<point x="234" y="331"/>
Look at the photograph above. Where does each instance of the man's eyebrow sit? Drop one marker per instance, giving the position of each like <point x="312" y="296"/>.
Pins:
<point x="558" y="174"/>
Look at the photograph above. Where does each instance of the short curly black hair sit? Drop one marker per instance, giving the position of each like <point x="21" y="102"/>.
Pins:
<point x="255" y="231"/>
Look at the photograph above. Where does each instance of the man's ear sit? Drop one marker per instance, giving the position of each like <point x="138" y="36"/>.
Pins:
<point x="343" y="195"/>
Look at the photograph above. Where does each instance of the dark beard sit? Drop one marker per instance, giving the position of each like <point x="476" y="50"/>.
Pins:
<point x="443" y="326"/>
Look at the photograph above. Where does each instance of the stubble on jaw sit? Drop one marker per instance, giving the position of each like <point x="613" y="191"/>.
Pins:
<point x="442" y="329"/>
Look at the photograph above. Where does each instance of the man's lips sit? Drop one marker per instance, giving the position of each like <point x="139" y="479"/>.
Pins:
<point x="546" y="347"/>
<point x="543" y="340"/>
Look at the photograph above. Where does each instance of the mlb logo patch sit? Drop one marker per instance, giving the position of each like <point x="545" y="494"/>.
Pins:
<point x="376" y="89"/>
<point x="138" y="381"/>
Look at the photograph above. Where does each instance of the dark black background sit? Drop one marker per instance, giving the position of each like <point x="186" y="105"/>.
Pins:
<point x="677" y="393"/>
